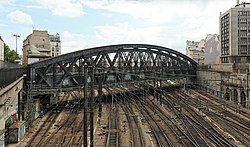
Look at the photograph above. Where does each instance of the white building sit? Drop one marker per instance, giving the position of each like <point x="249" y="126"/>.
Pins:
<point x="196" y="50"/>
<point x="1" y="49"/>
<point x="55" y="45"/>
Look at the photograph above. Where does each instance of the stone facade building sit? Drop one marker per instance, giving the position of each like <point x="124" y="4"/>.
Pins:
<point x="40" y="45"/>
<point x="229" y="81"/>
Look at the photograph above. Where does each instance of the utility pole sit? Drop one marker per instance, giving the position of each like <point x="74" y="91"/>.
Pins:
<point x="16" y="35"/>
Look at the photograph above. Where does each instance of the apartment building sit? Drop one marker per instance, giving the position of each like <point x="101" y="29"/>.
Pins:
<point x="40" y="45"/>
<point x="235" y="34"/>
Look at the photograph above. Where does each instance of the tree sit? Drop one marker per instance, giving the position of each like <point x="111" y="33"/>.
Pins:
<point x="10" y="55"/>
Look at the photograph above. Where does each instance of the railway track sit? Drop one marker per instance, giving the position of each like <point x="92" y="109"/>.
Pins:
<point x="42" y="131"/>
<point x="136" y="132"/>
<point x="194" y="134"/>
<point x="178" y="122"/>
<point x="187" y="140"/>
<point x="77" y="138"/>
<point x="189" y="105"/>
<point x="62" y="135"/>
<point x="244" y="112"/>
<point x="55" y="131"/>
<point x="237" y="132"/>
<point x="222" y="107"/>
<point x="159" y="133"/>
<point x="238" y="127"/>
<point x="224" y="124"/>
<point x="112" y="139"/>
<point x="173" y="126"/>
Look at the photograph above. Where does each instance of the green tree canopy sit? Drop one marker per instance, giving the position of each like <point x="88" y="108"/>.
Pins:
<point x="10" y="55"/>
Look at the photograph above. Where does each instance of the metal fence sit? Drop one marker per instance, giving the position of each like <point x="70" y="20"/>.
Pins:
<point x="9" y="72"/>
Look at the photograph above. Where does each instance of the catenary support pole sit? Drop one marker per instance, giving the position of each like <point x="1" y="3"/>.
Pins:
<point x="92" y="108"/>
<point x="85" y="113"/>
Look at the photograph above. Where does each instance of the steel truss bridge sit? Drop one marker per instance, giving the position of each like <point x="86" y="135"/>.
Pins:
<point x="106" y="65"/>
<point x="115" y="63"/>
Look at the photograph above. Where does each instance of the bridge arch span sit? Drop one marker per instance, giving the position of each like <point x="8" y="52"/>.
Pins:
<point x="115" y="62"/>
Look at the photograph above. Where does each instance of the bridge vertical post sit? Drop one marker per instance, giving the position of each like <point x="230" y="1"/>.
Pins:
<point x="85" y="114"/>
<point x="30" y="105"/>
<point x="99" y="98"/>
<point x="92" y="107"/>
<point x="29" y="98"/>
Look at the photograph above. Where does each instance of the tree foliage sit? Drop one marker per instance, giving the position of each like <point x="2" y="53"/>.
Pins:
<point x="10" y="55"/>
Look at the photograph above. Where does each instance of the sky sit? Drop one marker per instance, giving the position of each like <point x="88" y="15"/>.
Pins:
<point x="84" y="24"/>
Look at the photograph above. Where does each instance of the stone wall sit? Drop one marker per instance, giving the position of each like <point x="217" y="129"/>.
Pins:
<point x="230" y="86"/>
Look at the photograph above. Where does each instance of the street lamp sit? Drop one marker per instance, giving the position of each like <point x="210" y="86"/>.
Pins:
<point x="16" y="35"/>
